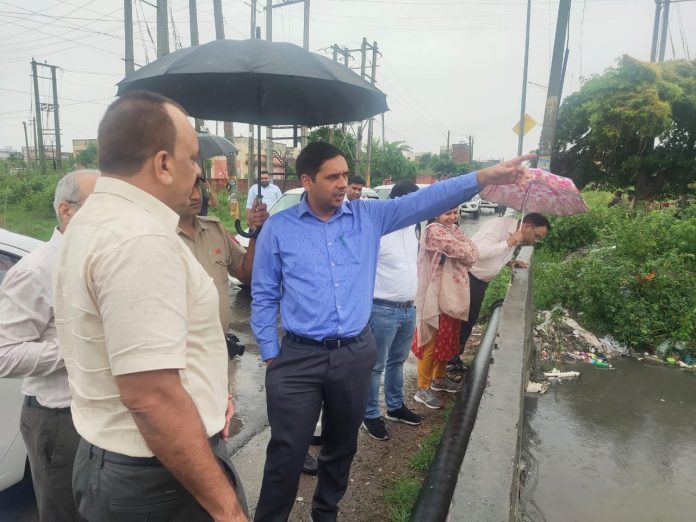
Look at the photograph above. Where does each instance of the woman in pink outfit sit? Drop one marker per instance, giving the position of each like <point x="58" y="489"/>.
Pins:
<point x="442" y="302"/>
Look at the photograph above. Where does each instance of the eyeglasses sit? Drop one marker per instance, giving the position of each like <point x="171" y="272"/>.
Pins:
<point x="76" y="204"/>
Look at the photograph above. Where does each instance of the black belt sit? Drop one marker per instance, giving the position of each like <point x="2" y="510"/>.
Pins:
<point x="31" y="401"/>
<point x="127" y="460"/>
<point x="326" y="344"/>
<point x="393" y="304"/>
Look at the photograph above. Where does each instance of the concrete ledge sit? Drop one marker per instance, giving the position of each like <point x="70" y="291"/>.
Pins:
<point x="488" y="481"/>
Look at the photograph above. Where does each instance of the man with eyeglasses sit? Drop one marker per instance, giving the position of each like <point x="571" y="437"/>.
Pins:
<point x="496" y="241"/>
<point x="29" y="350"/>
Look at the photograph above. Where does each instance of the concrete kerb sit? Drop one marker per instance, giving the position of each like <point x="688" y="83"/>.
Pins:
<point x="488" y="481"/>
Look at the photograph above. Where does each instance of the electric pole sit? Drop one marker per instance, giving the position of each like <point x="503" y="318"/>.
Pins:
<point x="305" y="45"/>
<point x="162" y="29"/>
<point x="228" y="128"/>
<point x="193" y="22"/>
<point x="57" y="153"/>
<point x="26" y="140"/>
<point x="128" y="16"/>
<point x="370" y="124"/>
<point x="548" y="130"/>
<point x="448" y="144"/>
<point x="656" y="30"/>
<point x="38" y="128"/>
<point x="665" y="29"/>
<point x="358" y="144"/>
<point x="471" y="148"/>
<point x="523" y="109"/>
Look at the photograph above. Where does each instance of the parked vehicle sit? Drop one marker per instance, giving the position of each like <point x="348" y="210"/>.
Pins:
<point x="487" y="204"/>
<point x="383" y="191"/>
<point x="13" y="453"/>
<point x="471" y="207"/>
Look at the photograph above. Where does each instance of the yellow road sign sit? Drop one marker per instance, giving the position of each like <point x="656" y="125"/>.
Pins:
<point x="529" y="124"/>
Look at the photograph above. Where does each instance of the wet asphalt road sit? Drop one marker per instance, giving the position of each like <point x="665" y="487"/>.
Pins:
<point x="246" y="375"/>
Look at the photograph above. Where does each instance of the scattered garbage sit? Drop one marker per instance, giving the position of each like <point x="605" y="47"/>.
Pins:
<point x="537" y="387"/>
<point x="558" y="374"/>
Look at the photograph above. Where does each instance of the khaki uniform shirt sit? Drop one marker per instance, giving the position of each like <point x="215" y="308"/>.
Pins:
<point x="130" y="297"/>
<point x="218" y="255"/>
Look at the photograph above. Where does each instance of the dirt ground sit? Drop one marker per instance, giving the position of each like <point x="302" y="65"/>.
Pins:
<point x="378" y="464"/>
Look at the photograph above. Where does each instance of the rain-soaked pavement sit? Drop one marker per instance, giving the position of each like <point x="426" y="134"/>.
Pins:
<point x="614" y="445"/>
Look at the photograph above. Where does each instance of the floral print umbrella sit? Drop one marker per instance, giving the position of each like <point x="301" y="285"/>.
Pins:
<point x="539" y="191"/>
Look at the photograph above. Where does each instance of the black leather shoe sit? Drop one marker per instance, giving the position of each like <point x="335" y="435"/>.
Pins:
<point x="310" y="466"/>
<point x="316" y="440"/>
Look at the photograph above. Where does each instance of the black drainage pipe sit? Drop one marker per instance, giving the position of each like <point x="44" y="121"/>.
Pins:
<point x="435" y="496"/>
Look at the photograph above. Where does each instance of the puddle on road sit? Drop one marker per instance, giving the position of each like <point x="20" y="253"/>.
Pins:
<point x="614" y="445"/>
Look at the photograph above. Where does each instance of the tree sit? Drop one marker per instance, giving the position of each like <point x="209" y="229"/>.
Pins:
<point x="388" y="161"/>
<point x="634" y="125"/>
<point x="87" y="156"/>
<point x="343" y="140"/>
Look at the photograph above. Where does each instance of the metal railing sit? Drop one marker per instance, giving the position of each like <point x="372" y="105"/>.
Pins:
<point x="435" y="496"/>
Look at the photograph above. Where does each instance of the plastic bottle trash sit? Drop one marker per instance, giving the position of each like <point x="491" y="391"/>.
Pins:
<point x="600" y="364"/>
<point x="671" y="361"/>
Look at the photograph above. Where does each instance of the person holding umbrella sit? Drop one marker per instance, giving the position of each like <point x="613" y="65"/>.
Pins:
<point x="315" y="262"/>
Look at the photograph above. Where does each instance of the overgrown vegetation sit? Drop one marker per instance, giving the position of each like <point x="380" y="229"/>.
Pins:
<point x="629" y="274"/>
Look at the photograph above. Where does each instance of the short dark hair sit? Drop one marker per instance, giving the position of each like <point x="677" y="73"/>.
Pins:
<point x="402" y="188"/>
<point x="313" y="157"/>
<point x="537" y="220"/>
<point x="134" y="128"/>
<point x="357" y="180"/>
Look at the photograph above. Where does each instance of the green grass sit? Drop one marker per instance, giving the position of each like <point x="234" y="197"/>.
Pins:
<point x="404" y="491"/>
<point x="17" y="219"/>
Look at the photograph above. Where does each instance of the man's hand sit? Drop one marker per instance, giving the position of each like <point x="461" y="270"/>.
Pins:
<point x="515" y="238"/>
<point x="516" y="263"/>
<point x="257" y="214"/>
<point x="268" y="362"/>
<point x="504" y="173"/>
<point x="229" y="413"/>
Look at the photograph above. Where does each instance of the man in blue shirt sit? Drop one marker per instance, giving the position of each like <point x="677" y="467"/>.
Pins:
<point x="317" y="261"/>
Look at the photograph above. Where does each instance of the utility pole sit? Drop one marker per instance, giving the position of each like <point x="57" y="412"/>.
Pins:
<point x="548" y="130"/>
<point x="448" y="144"/>
<point x="358" y="144"/>
<point x="220" y="35"/>
<point x="193" y="22"/>
<point x="57" y="153"/>
<point x="162" y="29"/>
<point x="656" y="30"/>
<point x="523" y="109"/>
<point x="128" y="16"/>
<point x="305" y="46"/>
<point x="33" y="132"/>
<point x="665" y="29"/>
<point x="370" y="124"/>
<point x="471" y="148"/>
<point x="26" y="140"/>
<point x="37" y="121"/>
<point x="269" y="130"/>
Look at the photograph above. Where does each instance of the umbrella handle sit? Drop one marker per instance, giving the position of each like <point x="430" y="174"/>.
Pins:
<point x="243" y="233"/>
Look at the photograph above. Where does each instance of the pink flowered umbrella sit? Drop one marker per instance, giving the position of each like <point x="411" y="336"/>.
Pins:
<point x="541" y="192"/>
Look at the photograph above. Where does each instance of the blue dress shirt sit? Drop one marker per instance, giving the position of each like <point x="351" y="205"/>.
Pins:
<point x="323" y="273"/>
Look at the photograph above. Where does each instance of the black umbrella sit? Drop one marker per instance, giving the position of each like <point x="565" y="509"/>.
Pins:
<point x="259" y="82"/>
<point x="211" y="145"/>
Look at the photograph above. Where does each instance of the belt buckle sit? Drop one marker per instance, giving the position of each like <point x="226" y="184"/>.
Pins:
<point x="327" y="346"/>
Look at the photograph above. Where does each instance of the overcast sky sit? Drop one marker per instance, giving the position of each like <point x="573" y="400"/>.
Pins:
<point x="444" y="64"/>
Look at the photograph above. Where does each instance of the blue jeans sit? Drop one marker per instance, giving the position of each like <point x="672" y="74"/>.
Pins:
<point x="393" y="330"/>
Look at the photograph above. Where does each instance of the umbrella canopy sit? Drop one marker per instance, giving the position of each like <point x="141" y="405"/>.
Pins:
<point x="211" y="145"/>
<point x="541" y="192"/>
<point x="259" y="82"/>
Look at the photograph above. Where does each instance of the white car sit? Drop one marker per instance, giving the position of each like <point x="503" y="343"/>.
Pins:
<point x="472" y="207"/>
<point x="487" y="204"/>
<point x="13" y="453"/>
<point x="383" y="191"/>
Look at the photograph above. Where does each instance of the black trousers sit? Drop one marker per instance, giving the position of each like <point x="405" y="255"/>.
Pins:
<point x="477" y="291"/>
<point x="51" y="441"/>
<point x="300" y="379"/>
<point x="108" y="488"/>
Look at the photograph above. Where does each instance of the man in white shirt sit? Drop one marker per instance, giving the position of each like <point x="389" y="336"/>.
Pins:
<point x="29" y="350"/>
<point x="139" y="329"/>
<point x="393" y="321"/>
<point x="270" y="192"/>
<point x="496" y="241"/>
